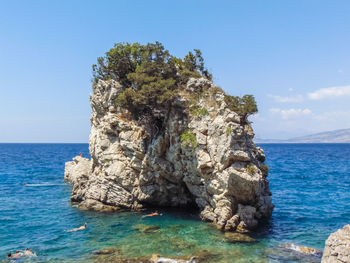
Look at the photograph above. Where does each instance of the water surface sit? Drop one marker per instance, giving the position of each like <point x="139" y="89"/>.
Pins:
<point x="310" y="185"/>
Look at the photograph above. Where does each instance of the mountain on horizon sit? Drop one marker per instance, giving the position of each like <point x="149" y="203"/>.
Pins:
<point x="336" y="136"/>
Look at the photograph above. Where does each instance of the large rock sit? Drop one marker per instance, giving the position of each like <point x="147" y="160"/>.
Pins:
<point x="130" y="170"/>
<point x="337" y="247"/>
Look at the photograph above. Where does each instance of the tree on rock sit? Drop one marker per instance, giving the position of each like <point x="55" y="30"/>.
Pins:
<point x="150" y="76"/>
<point x="244" y="106"/>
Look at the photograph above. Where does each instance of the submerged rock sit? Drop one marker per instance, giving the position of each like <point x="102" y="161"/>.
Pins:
<point x="301" y="249"/>
<point x="131" y="168"/>
<point x="289" y="252"/>
<point x="145" y="228"/>
<point x="113" y="255"/>
<point x="238" y="238"/>
<point x="158" y="259"/>
<point x="119" y="259"/>
<point x="94" y="205"/>
<point x="105" y="251"/>
<point x="337" y="247"/>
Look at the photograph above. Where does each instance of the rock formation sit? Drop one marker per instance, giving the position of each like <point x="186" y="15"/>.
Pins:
<point x="337" y="247"/>
<point x="203" y="158"/>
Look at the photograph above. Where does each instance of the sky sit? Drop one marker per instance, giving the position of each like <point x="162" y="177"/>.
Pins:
<point x="293" y="56"/>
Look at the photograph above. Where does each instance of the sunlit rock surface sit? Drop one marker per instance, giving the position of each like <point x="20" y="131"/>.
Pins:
<point x="130" y="171"/>
<point x="337" y="249"/>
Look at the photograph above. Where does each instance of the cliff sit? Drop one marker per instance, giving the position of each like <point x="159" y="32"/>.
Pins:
<point x="337" y="247"/>
<point x="203" y="158"/>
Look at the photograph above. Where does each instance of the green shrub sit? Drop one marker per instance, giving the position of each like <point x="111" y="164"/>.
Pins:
<point x="264" y="169"/>
<point x="199" y="112"/>
<point x="228" y="131"/>
<point x="251" y="169"/>
<point x="189" y="138"/>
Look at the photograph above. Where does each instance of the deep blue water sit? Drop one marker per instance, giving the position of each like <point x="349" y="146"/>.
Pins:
<point x="310" y="185"/>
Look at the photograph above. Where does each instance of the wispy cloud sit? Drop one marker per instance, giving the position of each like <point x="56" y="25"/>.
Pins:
<point x="297" y="98"/>
<point x="290" y="113"/>
<point x="338" y="116"/>
<point x="330" y="92"/>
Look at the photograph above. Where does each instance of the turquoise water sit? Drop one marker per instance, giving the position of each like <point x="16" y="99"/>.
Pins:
<point x="310" y="186"/>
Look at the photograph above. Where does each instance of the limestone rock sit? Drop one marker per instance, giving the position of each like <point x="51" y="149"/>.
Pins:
<point x="337" y="247"/>
<point x="77" y="170"/>
<point x="246" y="215"/>
<point x="131" y="168"/>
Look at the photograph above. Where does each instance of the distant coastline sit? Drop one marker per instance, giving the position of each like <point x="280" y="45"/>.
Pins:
<point x="336" y="136"/>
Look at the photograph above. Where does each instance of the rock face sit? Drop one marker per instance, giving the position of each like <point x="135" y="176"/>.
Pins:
<point x="208" y="171"/>
<point x="337" y="247"/>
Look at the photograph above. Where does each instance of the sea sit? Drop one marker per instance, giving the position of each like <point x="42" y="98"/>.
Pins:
<point x="310" y="185"/>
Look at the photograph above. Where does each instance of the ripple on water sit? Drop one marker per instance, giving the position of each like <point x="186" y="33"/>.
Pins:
<point x="310" y="186"/>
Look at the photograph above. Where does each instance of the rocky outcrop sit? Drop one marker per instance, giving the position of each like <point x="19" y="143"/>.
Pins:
<point x="300" y="249"/>
<point x="198" y="158"/>
<point x="337" y="247"/>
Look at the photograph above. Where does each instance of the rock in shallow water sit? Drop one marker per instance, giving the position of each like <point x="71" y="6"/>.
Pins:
<point x="146" y="228"/>
<point x="231" y="237"/>
<point x="113" y="255"/>
<point x="337" y="249"/>
<point x="105" y="251"/>
<point x="301" y="249"/>
<point x="94" y="205"/>
<point x="289" y="252"/>
<point x="129" y="171"/>
<point x="158" y="259"/>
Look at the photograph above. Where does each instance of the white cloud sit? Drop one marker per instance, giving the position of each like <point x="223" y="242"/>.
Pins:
<point x="340" y="71"/>
<point x="298" y="98"/>
<point x="290" y="113"/>
<point x="290" y="89"/>
<point x="330" y="92"/>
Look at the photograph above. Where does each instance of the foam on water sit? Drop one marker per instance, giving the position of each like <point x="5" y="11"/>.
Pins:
<point x="310" y="186"/>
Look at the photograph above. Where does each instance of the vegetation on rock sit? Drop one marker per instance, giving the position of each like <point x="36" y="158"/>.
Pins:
<point x="199" y="112"/>
<point x="245" y="105"/>
<point x="189" y="138"/>
<point x="150" y="76"/>
<point x="152" y="79"/>
<point x="264" y="169"/>
<point x="251" y="169"/>
<point x="228" y="131"/>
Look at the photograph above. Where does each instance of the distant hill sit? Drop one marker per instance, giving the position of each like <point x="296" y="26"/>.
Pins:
<point x="337" y="136"/>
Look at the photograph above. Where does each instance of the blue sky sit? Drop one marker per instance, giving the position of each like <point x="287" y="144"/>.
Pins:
<point x="294" y="56"/>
